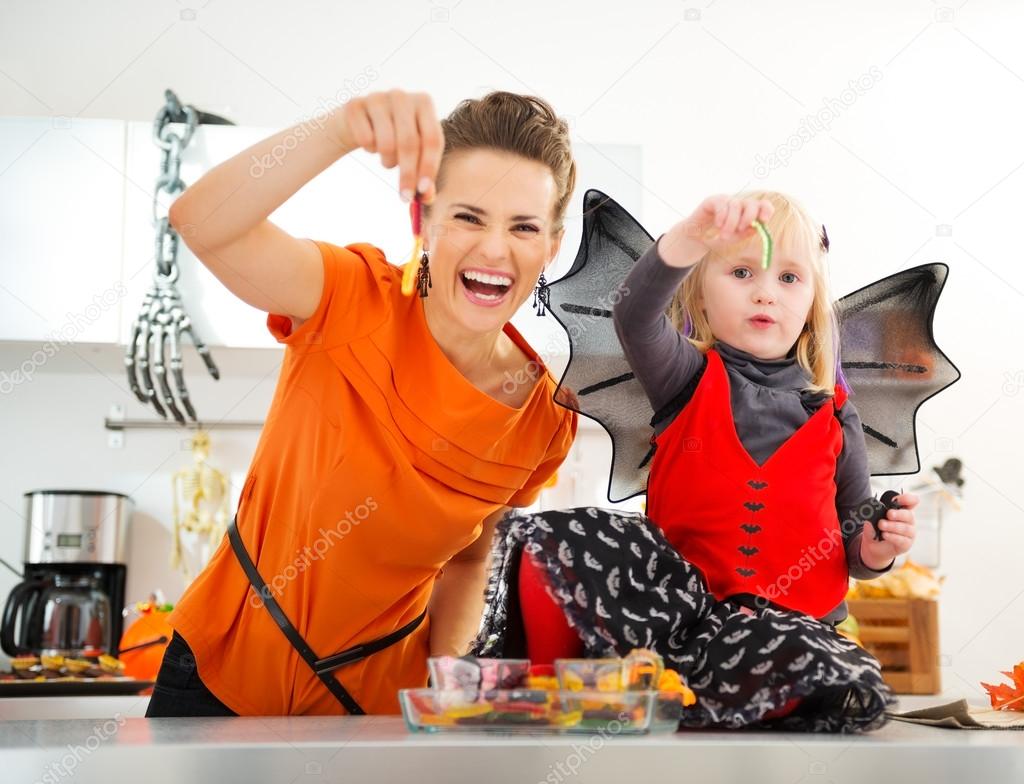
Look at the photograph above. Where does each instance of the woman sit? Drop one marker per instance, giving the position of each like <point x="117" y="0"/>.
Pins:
<point x="402" y="428"/>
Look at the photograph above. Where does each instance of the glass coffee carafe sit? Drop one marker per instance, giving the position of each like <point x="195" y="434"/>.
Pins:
<point x="65" y="614"/>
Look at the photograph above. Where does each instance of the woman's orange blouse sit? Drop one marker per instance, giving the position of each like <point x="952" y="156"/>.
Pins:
<point x="377" y="463"/>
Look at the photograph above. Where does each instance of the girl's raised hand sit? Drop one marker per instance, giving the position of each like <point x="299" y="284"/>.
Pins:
<point x="725" y="219"/>
<point x="717" y="222"/>
<point x="404" y="129"/>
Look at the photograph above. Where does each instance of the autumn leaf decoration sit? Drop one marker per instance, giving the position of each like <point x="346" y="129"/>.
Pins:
<point x="1006" y="697"/>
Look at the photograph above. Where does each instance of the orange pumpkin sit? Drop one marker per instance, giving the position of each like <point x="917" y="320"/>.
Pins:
<point x="146" y="631"/>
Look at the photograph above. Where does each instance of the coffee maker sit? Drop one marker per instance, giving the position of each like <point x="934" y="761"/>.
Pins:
<point x="71" y="600"/>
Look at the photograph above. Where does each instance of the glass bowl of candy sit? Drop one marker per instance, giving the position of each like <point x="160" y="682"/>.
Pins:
<point x="641" y="670"/>
<point x="627" y="695"/>
<point x="468" y="673"/>
<point x="508" y="710"/>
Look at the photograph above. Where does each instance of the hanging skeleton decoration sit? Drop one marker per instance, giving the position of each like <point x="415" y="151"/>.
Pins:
<point x="155" y="342"/>
<point x="200" y="508"/>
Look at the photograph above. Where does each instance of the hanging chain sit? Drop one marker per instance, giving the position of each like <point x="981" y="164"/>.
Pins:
<point x="162" y="319"/>
<point x="169" y="182"/>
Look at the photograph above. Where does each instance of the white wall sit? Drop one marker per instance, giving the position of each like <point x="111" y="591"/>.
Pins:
<point x="921" y="163"/>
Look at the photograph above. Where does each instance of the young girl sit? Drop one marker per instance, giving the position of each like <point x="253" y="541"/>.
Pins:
<point x="757" y="496"/>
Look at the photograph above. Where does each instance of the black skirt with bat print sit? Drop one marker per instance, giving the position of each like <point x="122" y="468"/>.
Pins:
<point x="621" y="585"/>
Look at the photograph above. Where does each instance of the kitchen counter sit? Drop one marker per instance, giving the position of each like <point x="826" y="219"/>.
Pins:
<point x="284" y="750"/>
<point x="84" y="707"/>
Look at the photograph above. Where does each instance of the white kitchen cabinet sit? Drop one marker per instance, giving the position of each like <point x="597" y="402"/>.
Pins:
<point x="354" y="200"/>
<point x="77" y="238"/>
<point x="61" y="196"/>
<point x="350" y="202"/>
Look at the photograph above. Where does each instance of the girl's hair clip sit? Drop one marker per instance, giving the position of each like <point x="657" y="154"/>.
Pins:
<point x="824" y="239"/>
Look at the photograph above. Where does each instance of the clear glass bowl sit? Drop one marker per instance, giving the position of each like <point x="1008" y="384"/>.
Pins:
<point x="530" y="710"/>
<point x="668" y="710"/>
<point x="632" y="673"/>
<point x="453" y="673"/>
<point x="590" y="674"/>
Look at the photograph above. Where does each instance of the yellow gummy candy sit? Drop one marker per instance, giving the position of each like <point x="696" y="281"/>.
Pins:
<point x="409" y="271"/>
<point x="468" y="710"/>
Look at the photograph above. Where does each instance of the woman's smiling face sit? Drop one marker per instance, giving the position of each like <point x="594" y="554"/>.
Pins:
<point x="489" y="234"/>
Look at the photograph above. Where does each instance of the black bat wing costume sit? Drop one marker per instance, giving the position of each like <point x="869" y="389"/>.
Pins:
<point x="888" y="353"/>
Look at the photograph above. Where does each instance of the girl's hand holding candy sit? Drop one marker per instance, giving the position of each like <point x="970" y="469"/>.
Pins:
<point x="897" y="528"/>
<point x="717" y="222"/>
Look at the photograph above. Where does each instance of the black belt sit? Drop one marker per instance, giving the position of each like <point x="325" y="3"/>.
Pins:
<point x="321" y="667"/>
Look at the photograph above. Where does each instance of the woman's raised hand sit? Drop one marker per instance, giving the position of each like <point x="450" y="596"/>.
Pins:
<point x="403" y="128"/>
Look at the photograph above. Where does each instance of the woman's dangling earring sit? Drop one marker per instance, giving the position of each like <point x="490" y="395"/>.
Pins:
<point x="540" y="295"/>
<point x="423" y="281"/>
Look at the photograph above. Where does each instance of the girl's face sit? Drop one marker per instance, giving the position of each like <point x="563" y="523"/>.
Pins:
<point x="758" y="311"/>
<point x="489" y="236"/>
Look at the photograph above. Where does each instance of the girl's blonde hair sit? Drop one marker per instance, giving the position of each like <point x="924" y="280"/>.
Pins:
<point x="817" y="345"/>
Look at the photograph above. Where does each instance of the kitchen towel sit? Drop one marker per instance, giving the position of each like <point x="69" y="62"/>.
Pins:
<point x="960" y="715"/>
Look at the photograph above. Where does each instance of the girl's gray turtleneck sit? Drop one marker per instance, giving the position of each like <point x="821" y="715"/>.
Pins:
<point x="768" y="399"/>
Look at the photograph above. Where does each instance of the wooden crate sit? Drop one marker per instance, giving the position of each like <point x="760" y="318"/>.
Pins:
<point x="903" y="634"/>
